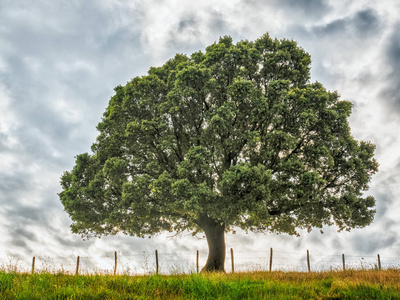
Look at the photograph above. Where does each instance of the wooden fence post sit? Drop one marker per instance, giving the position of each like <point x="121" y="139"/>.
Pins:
<point x="344" y="263"/>
<point x="379" y="262"/>
<point x="77" y="266"/>
<point x="308" y="261"/>
<point x="115" y="267"/>
<point x="197" y="261"/>
<point x="270" y="259"/>
<point x="156" y="262"/>
<point x="33" y="265"/>
<point x="232" y="261"/>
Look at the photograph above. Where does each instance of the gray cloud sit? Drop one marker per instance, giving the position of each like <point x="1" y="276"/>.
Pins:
<point x="21" y="237"/>
<point x="24" y="233"/>
<point x="189" y="32"/>
<point x="56" y="65"/>
<point x="188" y="26"/>
<point x="219" y="25"/>
<point x="11" y="185"/>
<point x="393" y="49"/>
<point x="364" y="23"/>
<point x="185" y="34"/>
<point x="314" y="9"/>
<point x="27" y="214"/>
<point x="391" y="92"/>
<point x="72" y="242"/>
<point x="384" y="202"/>
<point x="373" y="243"/>
<point x="48" y="60"/>
<point x="293" y="9"/>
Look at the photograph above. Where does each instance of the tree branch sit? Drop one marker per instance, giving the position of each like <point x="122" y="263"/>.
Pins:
<point x="299" y="144"/>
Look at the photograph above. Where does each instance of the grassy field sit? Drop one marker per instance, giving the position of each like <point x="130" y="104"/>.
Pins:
<point x="350" y="284"/>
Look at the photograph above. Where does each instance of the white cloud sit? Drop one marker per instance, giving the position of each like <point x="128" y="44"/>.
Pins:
<point x="8" y="121"/>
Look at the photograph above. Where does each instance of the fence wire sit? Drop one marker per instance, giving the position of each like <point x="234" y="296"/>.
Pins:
<point x="145" y="263"/>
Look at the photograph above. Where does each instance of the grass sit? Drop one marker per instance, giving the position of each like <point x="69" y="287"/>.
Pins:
<point x="352" y="284"/>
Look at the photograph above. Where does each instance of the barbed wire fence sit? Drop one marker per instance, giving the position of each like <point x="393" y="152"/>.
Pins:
<point x="147" y="263"/>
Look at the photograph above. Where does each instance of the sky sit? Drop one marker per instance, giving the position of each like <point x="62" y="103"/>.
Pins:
<point x="60" y="61"/>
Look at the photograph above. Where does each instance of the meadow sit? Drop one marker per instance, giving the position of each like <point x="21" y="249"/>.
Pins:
<point x="350" y="284"/>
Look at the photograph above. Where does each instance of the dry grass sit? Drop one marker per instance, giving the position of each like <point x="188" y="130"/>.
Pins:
<point x="389" y="276"/>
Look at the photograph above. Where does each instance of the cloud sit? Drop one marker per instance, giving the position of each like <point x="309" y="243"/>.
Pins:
<point x="8" y="121"/>
<point x="364" y="23"/>
<point x="373" y="243"/>
<point x="60" y="71"/>
<point x="391" y="92"/>
<point x="59" y="63"/>
<point x="168" y="28"/>
<point x="190" y="32"/>
<point x="290" y="10"/>
<point x="185" y="34"/>
<point x="343" y="48"/>
<point x="303" y="9"/>
<point x="57" y="72"/>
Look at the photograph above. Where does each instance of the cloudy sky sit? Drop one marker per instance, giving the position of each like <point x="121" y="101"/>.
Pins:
<point x="59" y="63"/>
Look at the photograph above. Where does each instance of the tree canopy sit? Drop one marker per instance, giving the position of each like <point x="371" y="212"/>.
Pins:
<point x="233" y="137"/>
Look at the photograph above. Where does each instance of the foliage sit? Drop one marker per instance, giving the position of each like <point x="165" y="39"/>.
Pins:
<point x="235" y="135"/>
<point x="256" y="285"/>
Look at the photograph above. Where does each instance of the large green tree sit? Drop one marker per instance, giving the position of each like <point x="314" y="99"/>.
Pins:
<point x="233" y="137"/>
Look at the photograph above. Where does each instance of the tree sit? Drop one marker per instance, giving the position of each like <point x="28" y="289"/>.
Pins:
<point x="233" y="137"/>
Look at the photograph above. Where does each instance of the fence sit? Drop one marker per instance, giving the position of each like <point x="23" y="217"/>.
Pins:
<point x="191" y="262"/>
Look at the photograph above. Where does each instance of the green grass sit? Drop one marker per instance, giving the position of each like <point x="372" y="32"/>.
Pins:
<point x="252" y="285"/>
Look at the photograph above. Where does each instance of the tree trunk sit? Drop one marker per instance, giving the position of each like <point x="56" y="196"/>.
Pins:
<point x="216" y="245"/>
